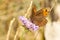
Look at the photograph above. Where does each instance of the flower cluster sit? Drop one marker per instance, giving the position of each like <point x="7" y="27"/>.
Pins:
<point x="28" y="23"/>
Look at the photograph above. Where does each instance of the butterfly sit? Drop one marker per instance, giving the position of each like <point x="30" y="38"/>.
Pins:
<point x="39" y="17"/>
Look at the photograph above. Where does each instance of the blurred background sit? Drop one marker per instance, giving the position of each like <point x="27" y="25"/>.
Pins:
<point x="10" y="9"/>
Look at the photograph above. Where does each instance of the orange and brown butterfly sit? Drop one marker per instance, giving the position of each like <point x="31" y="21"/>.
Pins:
<point x="39" y="17"/>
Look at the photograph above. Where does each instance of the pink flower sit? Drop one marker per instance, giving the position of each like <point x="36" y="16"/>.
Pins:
<point x="28" y="23"/>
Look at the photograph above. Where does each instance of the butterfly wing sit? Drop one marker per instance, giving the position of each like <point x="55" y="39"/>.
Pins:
<point x="39" y="21"/>
<point x="37" y="17"/>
